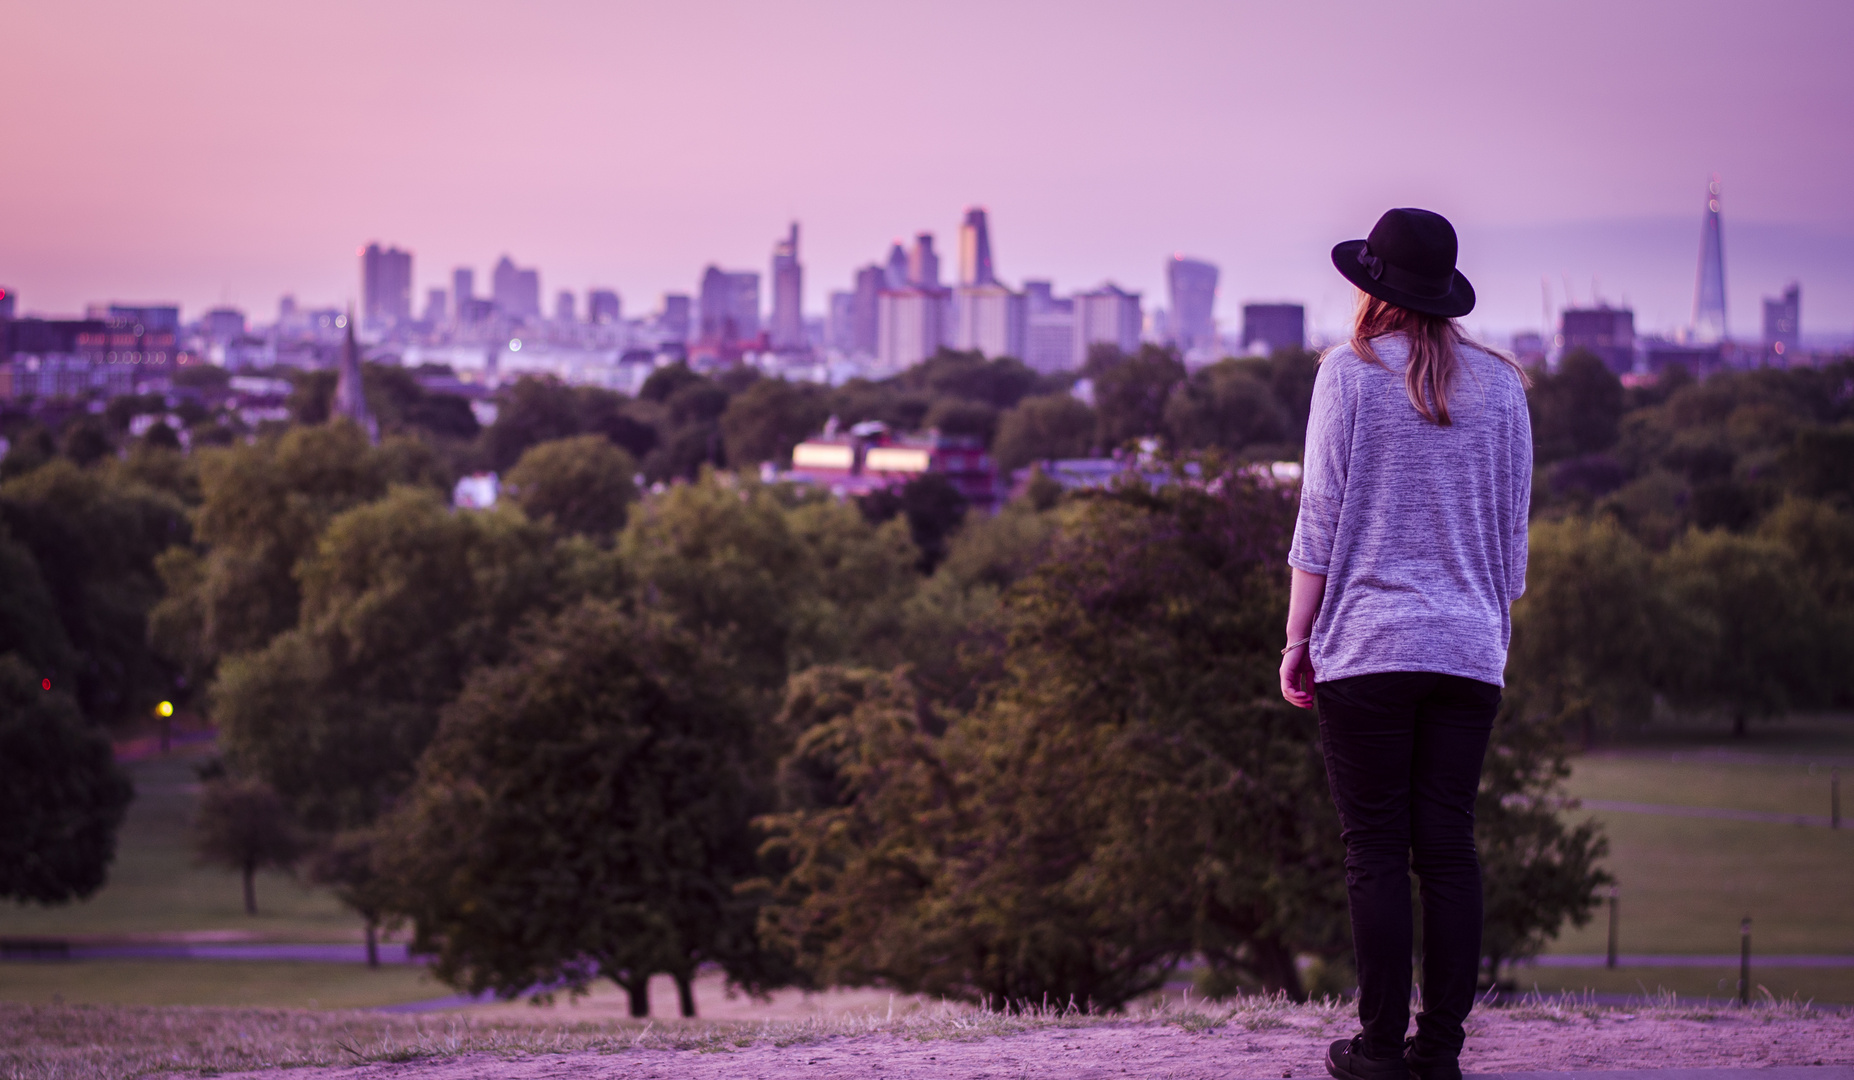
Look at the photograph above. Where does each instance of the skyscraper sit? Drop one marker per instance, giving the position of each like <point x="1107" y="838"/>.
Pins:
<point x="924" y="263"/>
<point x="563" y="307"/>
<point x="1268" y="327"/>
<point x="896" y="270"/>
<point x="788" y="283"/>
<point x="1607" y="332"/>
<point x="865" y="310"/>
<point x="1049" y="329"/>
<point x="1108" y="315"/>
<point x="675" y="317"/>
<point x="435" y="304"/>
<point x="517" y="292"/>
<point x="463" y="290"/>
<point x="1783" y="321"/>
<point x="910" y="325"/>
<point x="1709" y="298"/>
<point x="730" y="306"/>
<point x="386" y="285"/>
<point x="975" y="249"/>
<point x="1194" y="299"/>
<point x="841" y="326"/>
<point x="602" y="307"/>
<point x="988" y="318"/>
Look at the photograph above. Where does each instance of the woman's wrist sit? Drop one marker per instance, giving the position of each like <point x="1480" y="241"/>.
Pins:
<point x="1296" y="643"/>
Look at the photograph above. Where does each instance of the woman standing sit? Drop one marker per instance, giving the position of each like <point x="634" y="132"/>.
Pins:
<point x="1411" y="545"/>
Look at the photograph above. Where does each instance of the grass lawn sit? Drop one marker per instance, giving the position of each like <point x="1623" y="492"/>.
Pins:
<point x="1686" y="882"/>
<point x="255" y="983"/>
<point x="1824" y="985"/>
<point x="154" y="888"/>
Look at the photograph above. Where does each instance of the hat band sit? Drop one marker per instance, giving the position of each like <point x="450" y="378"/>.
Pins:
<point x="1402" y="280"/>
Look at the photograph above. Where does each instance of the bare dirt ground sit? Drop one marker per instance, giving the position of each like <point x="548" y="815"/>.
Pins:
<point x="1240" y="1043"/>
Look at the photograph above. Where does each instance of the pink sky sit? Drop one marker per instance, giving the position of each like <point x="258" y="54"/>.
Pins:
<point x="214" y="152"/>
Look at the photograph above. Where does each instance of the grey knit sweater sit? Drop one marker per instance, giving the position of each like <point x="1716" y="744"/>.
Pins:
<point x="1419" y="529"/>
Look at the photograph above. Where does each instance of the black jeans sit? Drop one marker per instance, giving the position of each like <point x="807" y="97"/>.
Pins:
<point x="1403" y="756"/>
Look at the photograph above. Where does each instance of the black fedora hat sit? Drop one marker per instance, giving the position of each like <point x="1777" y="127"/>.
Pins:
<point x="1409" y="260"/>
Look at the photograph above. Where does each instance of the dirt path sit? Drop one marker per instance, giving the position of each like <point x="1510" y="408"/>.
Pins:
<point x="1258" y="1048"/>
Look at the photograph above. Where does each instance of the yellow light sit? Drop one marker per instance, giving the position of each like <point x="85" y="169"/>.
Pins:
<point x="166" y="708"/>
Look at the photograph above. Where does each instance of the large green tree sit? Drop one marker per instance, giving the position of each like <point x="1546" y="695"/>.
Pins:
<point x="764" y="421"/>
<point x="62" y="796"/>
<point x="95" y="536"/>
<point x="1131" y="392"/>
<point x="264" y="506"/>
<point x="400" y="599"/>
<point x="583" y="813"/>
<point x="1590" y="633"/>
<point x="243" y="826"/>
<point x="1125" y="793"/>
<point x="1753" y="624"/>
<point x="578" y="485"/>
<point x="1044" y="427"/>
<point x="1226" y="407"/>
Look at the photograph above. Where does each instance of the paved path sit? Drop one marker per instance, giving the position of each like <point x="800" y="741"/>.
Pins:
<point x="1664" y="810"/>
<point x="390" y="953"/>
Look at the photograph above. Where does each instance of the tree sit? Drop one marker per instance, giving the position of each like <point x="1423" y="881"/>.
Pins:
<point x="242" y="825"/>
<point x="862" y="576"/>
<point x="1125" y="792"/>
<point x="764" y="421"/>
<point x="400" y="599"/>
<point x="1537" y="871"/>
<point x="1043" y="428"/>
<point x="1130" y="392"/>
<point x="87" y="441"/>
<point x="973" y="419"/>
<point x="1754" y="623"/>
<point x="1225" y="407"/>
<point x="721" y="559"/>
<point x="584" y="813"/>
<point x="967" y="376"/>
<point x="62" y="796"/>
<point x="347" y="862"/>
<point x="577" y="485"/>
<point x="95" y="536"/>
<point x="263" y="506"/>
<point x="1575" y="410"/>
<point x="1590" y="630"/>
<point x="932" y="507"/>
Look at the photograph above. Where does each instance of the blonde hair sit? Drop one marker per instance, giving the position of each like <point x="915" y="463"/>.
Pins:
<point x="1434" y="342"/>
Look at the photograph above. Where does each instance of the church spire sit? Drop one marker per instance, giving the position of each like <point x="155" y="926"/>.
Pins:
<point x="350" y="397"/>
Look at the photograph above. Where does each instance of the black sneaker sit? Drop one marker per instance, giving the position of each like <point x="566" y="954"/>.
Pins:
<point x="1346" y="1060"/>
<point x="1425" y="1068"/>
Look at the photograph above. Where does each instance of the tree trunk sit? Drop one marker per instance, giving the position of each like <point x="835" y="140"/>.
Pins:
<point x="638" y="989"/>
<point x="1275" y="966"/>
<point x="373" y="942"/>
<point x="685" y="993"/>
<point x="251" y="888"/>
<point x="1738" y="724"/>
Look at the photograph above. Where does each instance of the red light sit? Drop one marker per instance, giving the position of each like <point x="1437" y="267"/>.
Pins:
<point x="45" y="684"/>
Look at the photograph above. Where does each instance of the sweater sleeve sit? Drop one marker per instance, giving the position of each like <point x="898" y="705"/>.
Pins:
<point x="1519" y="527"/>
<point x="1323" y="470"/>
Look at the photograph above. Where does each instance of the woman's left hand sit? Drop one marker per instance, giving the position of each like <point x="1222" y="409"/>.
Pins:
<point x="1297" y="677"/>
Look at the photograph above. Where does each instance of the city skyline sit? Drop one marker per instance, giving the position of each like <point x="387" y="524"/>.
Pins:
<point x="1574" y="157"/>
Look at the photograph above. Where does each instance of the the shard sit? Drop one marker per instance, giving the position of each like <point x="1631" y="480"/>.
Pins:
<point x="1709" y="299"/>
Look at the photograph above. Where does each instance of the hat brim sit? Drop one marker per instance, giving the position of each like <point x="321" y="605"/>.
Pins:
<point x="1458" y="301"/>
